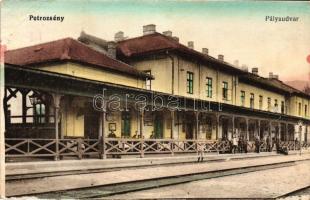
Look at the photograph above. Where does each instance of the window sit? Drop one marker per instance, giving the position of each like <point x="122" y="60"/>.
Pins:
<point x="276" y="105"/>
<point x="306" y="109"/>
<point x="299" y="108"/>
<point x="225" y="90"/>
<point x="242" y="98"/>
<point x="282" y="107"/>
<point x="252" y="101"/>
<point x="268" y="103"/>
<point x="39" y="113"/>
<point x="209" y="87"/>
<point x="148" y="81"/>
<point x="261" y="102"/>
<point x="189" y="82"/>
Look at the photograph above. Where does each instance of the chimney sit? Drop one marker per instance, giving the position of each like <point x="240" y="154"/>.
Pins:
<point x="270" y="75"/>
<point x="221" y="57"/>
<point x="244" y="68"/>
<point x="112" y="49"/>
<point x="190" y="44"/>
<point x="149" y="29"/>
<point x="176" y="38"/>
<point x="119" y="36"/>
<point x="168" y="33"/>
<point x="205" y="51"/>
<point x="255" y="70"/>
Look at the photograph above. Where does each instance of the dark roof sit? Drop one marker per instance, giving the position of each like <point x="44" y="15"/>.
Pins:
<point x="271" y="84"/>
<point x="157" y="42"/>
<point x="67" y="49"/>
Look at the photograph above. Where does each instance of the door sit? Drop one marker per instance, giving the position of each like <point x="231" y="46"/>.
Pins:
<point x="189" y="131"/>
<point x="91" y="125"/>
<point x="158" y="127"/>
<point x="225" y="123"/>
<point x="126" y="119"/>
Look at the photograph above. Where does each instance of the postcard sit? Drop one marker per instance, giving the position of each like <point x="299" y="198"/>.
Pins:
<point x="155" y="99"/>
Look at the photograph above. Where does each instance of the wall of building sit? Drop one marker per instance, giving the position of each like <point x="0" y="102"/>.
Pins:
<point x="257" y="92"/>
<point x="294" y="107"/>
<point x="116" y="118"/>
<point x="200" y="74"/>
<point x="88" y="72"/>
<point x="162" y="71"/>
<point x="72" y="117"/>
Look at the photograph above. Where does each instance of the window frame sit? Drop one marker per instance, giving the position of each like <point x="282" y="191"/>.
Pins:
<point x="252" y="99"/>
<point x="269" y="103"/>
<point x="209" y="85"/>
<point x="282" y="107"/>
<point x="260" y="102"/>
<point x="189" y="82"/>
<point x="242" y="97"/>
<point x="39" y="113"/>
<point x="225" y="90"/>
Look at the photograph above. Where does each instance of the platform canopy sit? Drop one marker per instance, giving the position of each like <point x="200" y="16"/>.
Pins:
<point x="51" y="82"/>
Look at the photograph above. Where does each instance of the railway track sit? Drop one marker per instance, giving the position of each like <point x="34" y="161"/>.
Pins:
<point x="16" y="177"/>
<point x="295" y="193"/>
<point x="122" y="188"/>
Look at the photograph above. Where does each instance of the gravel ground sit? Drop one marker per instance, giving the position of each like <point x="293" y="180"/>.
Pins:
<point x="262" y="184"/>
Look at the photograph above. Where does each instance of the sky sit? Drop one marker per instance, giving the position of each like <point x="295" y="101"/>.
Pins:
<point x="236" y="29"/>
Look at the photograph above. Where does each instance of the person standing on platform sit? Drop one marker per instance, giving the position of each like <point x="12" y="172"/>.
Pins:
<point x="245" y="145"/>
<point x="257" y="144"/>
<point x="268" y="145"/>
<point x="200" y="151"/>
<point x="235" y="144"/>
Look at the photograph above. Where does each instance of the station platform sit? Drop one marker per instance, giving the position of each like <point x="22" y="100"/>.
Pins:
<point x="153" y="168"/>
<point x="34" y="167"/>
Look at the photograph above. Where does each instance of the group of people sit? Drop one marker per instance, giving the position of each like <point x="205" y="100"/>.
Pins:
<point x="239" y="144"/>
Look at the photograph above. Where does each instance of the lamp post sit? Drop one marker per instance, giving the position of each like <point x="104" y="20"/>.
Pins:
<point x="33" y="99"/>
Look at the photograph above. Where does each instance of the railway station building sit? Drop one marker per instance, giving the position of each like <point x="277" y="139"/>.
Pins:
<point x="145" y="95"/>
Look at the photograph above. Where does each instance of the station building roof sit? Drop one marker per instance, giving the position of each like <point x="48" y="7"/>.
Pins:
<point x="157" y="42"/>
<point x="68" y="49"/>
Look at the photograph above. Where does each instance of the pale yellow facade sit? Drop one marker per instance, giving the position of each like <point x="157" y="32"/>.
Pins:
<point x="72" y="116"/>
<point x="257" y="92"/>
<point x="94" y="73"/>
<point x="264" y="99"/>
<point x="299" y="107"/>
<point x="162" y="68"/>
<point x="170" y="75"/>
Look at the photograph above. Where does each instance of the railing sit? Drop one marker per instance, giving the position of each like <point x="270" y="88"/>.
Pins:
<point x="51" y="147"/>
<point x="153" y="146"/>
<point x="80" y="148"/>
